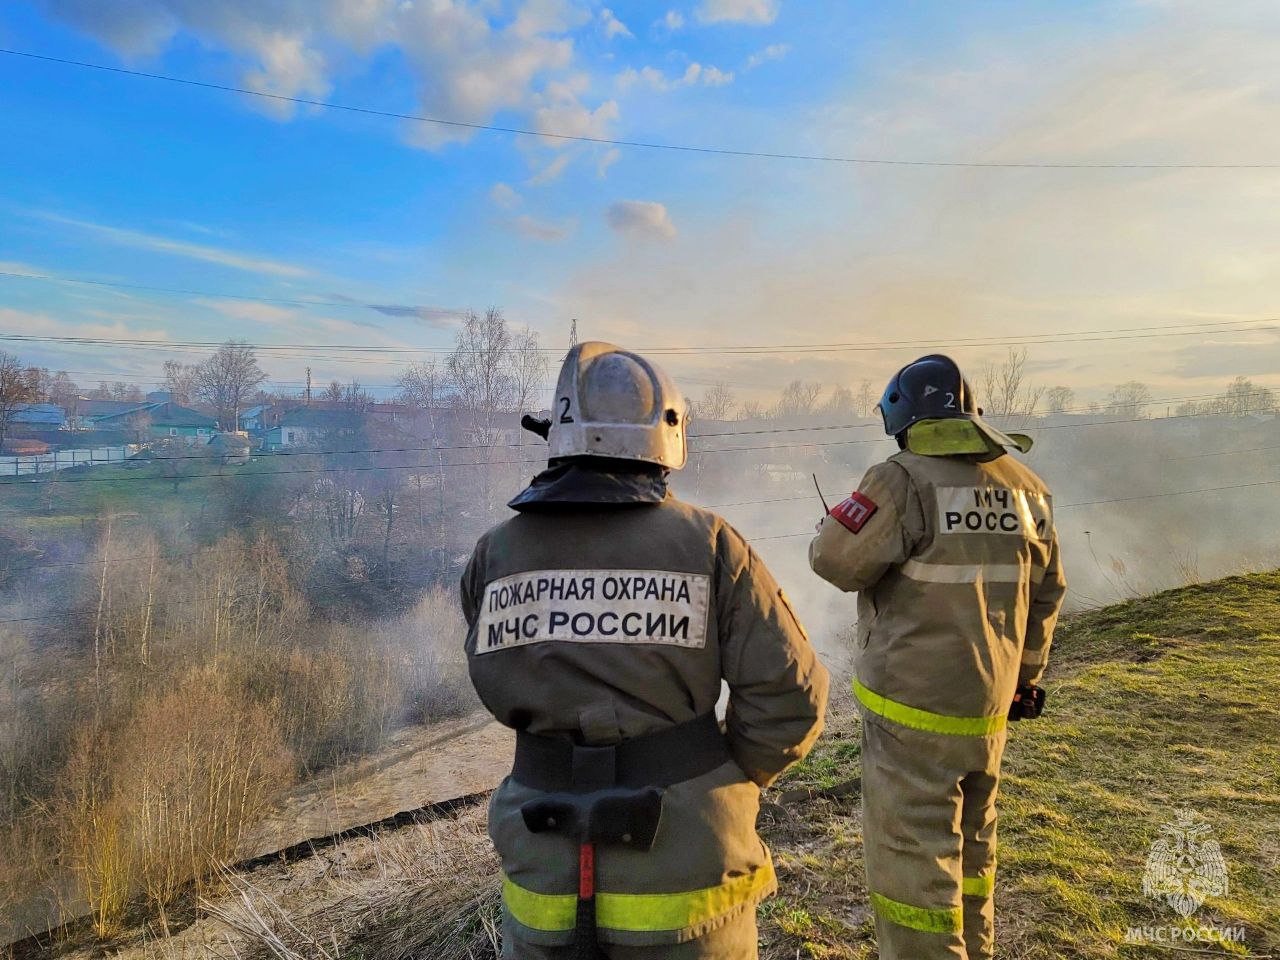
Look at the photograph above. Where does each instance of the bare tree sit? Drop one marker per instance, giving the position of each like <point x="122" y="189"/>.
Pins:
<point x="1005" y="388"/>
<point x="841" y="403"/>
<point x="64" y="392"/>
<point x="798" y="399"/>
<point x="529" y="369"/>
<point x="750" y="410"/>
<point x="865" y="399"/>
<point x="1129" y="399"/>
<point x="227" y="379"/>
<point x="422" y="385"/>
<point x="479" y="369"/>
<point x="333" y="392"/>
<point x="39" y="379"/>
<point x="717" y="403"/>
<point x="1059" y="399"/>
<point x="138" y="426"/>
<point x="15" y="390"/>
<point x="1244" y="397"/>
<point x="351" y="395"/>
<point x="180" y="381"/>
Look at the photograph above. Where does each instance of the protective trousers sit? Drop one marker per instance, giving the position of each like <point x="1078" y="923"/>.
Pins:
<point x="929" y="823"/>
<point x="735" y="940"/>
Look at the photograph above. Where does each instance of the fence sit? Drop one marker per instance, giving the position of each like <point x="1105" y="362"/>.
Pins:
<point x="62" y="459"/>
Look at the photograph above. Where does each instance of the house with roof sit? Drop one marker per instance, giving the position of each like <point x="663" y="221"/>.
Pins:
<point x="309" y="425"/>
<point x="254" y="419"/>
<point x="153" y="421"/>
<point x="39" y="416"/>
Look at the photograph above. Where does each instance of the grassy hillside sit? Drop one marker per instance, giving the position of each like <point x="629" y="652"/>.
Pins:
<point x="1163" y="703"/>
<point x="1154" y="705"/>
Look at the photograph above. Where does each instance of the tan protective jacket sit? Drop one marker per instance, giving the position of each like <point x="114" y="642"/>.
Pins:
<point x="598" y="623"/>
<point x="959" y="582"/>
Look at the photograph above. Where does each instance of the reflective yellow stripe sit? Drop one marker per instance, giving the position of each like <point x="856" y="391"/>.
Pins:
<point x="636" y="912"/>
<point x="950" y="920"/>
<point x="982" y="885"/>
<point x="925" y="720"/>
<point x="539" y="911"/>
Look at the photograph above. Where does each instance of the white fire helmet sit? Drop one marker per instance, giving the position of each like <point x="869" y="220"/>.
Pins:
<point x="611" y="402"/>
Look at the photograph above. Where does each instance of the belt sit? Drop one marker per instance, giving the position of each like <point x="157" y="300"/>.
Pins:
<point x="660" y="759"/>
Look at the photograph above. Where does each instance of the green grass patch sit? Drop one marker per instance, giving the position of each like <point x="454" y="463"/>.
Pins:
<point x="1155" y="705"/>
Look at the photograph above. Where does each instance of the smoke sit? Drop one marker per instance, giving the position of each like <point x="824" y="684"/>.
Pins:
<point x="1139" y="506"/>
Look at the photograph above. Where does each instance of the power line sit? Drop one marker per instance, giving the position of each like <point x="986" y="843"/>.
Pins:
<point x="18" y="480"/>
<point x="1200" y="328"/>
<point x="638" y="144"/>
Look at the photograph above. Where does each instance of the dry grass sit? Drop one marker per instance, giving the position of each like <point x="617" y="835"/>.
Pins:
<point x="164" y="798"/>
<point x="422" y="891"/>
<point x="193" y="694"/>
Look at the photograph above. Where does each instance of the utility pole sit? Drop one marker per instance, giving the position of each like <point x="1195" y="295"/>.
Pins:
<point x="573" y="337"/>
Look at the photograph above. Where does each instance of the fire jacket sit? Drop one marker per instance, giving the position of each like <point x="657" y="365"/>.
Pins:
<point x="955" y="560"/>
<point x="608" y="610"/>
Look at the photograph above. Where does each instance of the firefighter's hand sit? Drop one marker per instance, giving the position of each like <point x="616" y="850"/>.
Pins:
<point x="1028" y="703"/>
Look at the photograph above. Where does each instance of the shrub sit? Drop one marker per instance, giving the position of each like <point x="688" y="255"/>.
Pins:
<point x="164" y="798"/>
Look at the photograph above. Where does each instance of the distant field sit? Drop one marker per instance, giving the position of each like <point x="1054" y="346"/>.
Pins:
<point x="85" y="491"/>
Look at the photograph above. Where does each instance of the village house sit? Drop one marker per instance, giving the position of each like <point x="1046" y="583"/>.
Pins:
<point x="148" y="421"/>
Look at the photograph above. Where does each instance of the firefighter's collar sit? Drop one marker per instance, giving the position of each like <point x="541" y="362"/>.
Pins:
<point x="976" y="437"/>
<point x="593" y="480"/>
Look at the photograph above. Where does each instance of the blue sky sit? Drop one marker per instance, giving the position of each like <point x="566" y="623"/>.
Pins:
<point x="133" y="181"/>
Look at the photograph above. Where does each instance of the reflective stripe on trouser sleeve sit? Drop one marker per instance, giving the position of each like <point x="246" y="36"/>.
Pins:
<point x="636" y="912"/>
<point x="924" y="719"/>
<point x="983" y="885"/>
<point x="949" y="920"/>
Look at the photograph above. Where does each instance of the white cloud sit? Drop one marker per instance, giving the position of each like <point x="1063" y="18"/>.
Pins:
<point x="40" y="324"/>
<point x="613" y="27"/>
<point x="775" y="51"/>
<point x="259" y="314"/>
<point x="545" y="231"/>
<point x="471" y="58"/>
<point x="551" y="172"/>
<point x="672" y="22"/>
<point x="714" y="77"/>
<point x="608" y="160"/>
<point x="738" y="11"/>
<point x="567" y="117"/>
<point x="289" y="69"/>
<point x="643" y="219"/>
<point x="182" y="248"/>
<point x="504" y="196"/>
<point x="655" y="79"/>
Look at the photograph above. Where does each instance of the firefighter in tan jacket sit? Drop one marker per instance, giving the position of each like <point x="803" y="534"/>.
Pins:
<point x="604" y="618"/>
<point x="951" y="547"/>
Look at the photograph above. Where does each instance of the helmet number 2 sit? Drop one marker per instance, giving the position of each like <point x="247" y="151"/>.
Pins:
<point x="951" y="401"/>
<point x="564" y="411"/>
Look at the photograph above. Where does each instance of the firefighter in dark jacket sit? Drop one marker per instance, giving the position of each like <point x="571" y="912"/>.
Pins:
<point x="951" y="547"/>
<point x="604" y="618"/>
